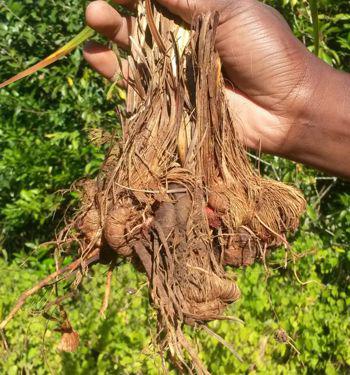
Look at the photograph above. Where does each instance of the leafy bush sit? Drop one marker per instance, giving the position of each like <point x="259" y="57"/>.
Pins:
<point x="44" y="119"/>
<point x="44" y="142"/>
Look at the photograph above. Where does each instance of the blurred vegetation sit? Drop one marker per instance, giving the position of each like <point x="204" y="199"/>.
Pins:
<point x="44" y="142"/>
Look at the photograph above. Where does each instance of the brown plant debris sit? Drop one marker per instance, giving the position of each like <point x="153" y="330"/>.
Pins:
<point x="177" y="195"/>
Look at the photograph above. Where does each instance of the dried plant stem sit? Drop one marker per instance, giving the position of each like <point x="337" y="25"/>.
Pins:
<point x="107" y="289"/>
<point x="223" y="342"/>
<point x="45" y="282"/>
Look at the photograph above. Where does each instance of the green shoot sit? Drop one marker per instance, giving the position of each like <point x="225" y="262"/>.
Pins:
<point x="85" y="34"/>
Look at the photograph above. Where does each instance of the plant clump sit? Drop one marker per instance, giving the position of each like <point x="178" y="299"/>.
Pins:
<point x="177" y="195"/>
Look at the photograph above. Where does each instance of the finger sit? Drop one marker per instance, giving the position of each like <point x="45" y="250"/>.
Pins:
<point x="103" y="18"/>
<point x="105" y="62"/>
<point x="179" y="7"/>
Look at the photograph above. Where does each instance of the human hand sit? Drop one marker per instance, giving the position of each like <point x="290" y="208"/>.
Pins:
<point x="275" y="80"/>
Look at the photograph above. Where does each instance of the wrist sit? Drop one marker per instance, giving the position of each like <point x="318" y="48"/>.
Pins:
<point x="320" y="131"/>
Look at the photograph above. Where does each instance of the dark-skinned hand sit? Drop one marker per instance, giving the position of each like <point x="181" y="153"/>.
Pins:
<point x="288" y="102"/>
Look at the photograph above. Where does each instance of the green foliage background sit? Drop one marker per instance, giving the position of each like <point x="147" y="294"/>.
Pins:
<point x="44" y="143"/>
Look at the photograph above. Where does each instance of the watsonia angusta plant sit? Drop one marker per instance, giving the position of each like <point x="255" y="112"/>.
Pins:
<point x="176" y="195"/>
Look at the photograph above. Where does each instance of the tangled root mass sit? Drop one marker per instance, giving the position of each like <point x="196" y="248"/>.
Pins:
<point x="181" y="197"/>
